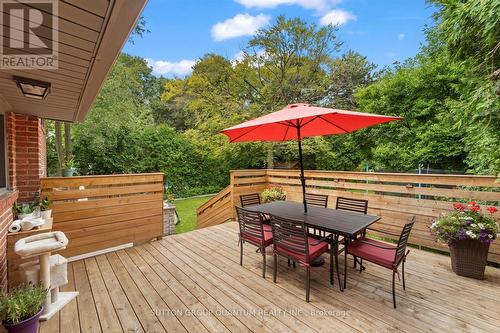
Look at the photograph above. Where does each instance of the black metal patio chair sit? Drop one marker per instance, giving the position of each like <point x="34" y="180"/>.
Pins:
<point x="291" y="240"/>
<point x="253" y="230"/>
<point x="352" y="205"/>
<point x="249" y="199"/>
<point x="384" y="254"/>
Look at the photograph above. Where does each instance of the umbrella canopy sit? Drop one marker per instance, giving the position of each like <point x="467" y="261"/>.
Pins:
<point x="297" y="121"/>
<point x="312" y="120"/>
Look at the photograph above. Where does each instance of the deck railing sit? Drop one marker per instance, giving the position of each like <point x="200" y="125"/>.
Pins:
<point x="392" y="196"/>
<point x="218" y="208"/>
<point x="99" y="212"/>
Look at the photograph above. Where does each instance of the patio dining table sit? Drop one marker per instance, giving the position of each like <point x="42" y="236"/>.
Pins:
<point x="335" y="221"/>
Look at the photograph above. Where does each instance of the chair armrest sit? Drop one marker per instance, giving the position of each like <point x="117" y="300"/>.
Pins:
<point x="376" y="245"/>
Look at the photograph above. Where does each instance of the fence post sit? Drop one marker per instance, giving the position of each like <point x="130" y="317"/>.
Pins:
<point x="419" y="172"/>
<point x="231" y="189"/>
<point x="366" y="170"/>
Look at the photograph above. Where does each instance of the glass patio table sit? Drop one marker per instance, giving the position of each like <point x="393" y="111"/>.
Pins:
<point x="335" y="221"/>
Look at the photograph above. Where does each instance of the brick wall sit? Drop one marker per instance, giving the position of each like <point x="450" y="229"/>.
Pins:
<point x="6" y="218"/>
<point x="26" y="152"/>
<point x="26" y="157"/>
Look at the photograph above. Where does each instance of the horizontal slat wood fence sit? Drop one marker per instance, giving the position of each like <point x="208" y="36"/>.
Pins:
<point x="392" y="196"/>
<point x="98" y="212"/>
<point x="218" y="208"/>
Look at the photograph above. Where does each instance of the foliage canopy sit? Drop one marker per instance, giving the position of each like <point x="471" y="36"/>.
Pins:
<point x="448" y="94"/>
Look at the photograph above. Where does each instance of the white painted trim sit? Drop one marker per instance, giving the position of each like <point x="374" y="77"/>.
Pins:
<point x="99" y="252"/>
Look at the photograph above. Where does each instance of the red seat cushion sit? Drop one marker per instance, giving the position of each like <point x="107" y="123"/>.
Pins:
<point x="382" y="257"/>
<point x="268" y="236"/>
<point x="314" y="250"/>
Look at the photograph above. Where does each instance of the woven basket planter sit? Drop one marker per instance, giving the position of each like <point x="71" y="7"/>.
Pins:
<point x="469" y="258"/>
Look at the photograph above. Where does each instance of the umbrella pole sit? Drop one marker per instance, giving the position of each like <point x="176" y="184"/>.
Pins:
<point x="302" y="178"/>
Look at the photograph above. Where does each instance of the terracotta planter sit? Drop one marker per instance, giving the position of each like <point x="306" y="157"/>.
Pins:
<point x="469" y="258"/>
<point x="29" y="325"/>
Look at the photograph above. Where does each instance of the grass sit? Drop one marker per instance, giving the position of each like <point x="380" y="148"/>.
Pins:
<point x="186" y="208"/>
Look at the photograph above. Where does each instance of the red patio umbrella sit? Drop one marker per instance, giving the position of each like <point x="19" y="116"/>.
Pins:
<point x="297" y="121"/>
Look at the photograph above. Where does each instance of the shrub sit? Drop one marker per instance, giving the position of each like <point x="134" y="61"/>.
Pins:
<point x="273" y="194"/>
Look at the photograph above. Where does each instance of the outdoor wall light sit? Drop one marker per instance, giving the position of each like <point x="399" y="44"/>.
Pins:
<point x="32" y="88"/>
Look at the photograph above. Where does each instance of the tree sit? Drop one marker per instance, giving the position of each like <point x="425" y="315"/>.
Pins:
<point x="63" y="149"/>
<point x="121" y="136"/>
<point x="471" y="29"/>
<point x="187" y="170"/>
<point x="211" y="98"/>
<point x="286" y="65"/>
<point x="106" y="141"/>
<point x="447" y="95"/>
<point x="421" y="91"/>
<point x="289" y="60"/>
<point x="59" y="146"/>
<point x="470" y="32"/>
<point x="140" y="29"/>
<point x="346" y="75"/>
<point x="282" y="64"/>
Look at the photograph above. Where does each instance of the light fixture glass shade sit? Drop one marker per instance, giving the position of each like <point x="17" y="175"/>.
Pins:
<point x="33" y="88"/>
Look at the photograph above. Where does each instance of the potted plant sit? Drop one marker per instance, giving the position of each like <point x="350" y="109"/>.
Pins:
<point x="469" y="233"/>
<point x="68" y="168"/>
<point x="20" y="308"/>
<point x="23" y="210"/>
<point x="273" y="194"/>
<point x="45" y="211"/>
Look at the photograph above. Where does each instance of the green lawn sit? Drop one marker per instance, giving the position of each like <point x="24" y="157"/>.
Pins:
<point x="186" y="208"/>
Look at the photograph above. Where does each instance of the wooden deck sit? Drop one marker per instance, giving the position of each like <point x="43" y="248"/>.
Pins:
<point x="192" y="282"/>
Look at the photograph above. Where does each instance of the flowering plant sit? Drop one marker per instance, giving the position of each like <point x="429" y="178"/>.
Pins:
<point x="273" y="194"/>
<point x="466" y="222"/>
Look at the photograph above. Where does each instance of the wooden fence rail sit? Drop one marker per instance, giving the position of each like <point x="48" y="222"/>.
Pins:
<point x="392" y="196"/>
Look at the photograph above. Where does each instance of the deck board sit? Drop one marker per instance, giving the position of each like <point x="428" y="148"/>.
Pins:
<point x="206" y="298"/>
<point x="89" y="321"/>
<point x="68" y="316"/>
<point x="193" y="282"/>
<point x="372" y="287"/>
